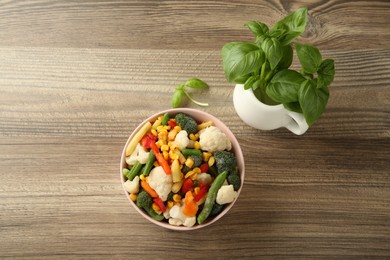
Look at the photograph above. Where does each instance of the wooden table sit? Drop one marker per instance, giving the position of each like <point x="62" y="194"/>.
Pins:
<point x="76" y="77"/>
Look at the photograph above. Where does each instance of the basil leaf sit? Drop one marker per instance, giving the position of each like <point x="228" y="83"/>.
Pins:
<point x="293" y="25"/>
<point x="309" y="57"/>
<point x="257" y="28"/>
<point x="195" y="83"/>
<point x="313" y="100"/>
<point x="177" y="97"/>
<point x="293" y="106"/>
<point x="242" y="79"/>
<point x="287" y="57"/>
<point x="241" y="58"/>
<point x="325" y="73"/>
<point x="273" y="51"/>
<point x="284" y="86"/>
<point x="249" y="82"/>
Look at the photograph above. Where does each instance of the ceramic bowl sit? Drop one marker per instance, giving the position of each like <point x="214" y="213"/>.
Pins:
<point x="199" y="116"/>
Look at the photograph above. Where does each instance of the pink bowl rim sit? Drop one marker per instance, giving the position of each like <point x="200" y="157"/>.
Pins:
<point x="236" y="148"/>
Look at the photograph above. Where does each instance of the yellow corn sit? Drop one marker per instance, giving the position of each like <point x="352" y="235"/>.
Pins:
<point x="173" y="155"/>
<point x="160" y="128"/>
<point x="197" y="170"/>
<point x="177" y="128"/>
<point x="204" y="125"/>
<point x="197" y="145"/>
<point x="172" y="134"/>
<point x="170" y="204"/>
<point x="177" y="185"/>
<point x="193" y="177"/>
<point x="147" y="178"/>
<point x="196" y="190"/>
<point x="163" y="135"/>
<point x="156" y="164"/>
<point x="133" y="196"/>
<point x="156" y="124"/>
<point x="173" y="145"/>
<point x="194" y="137"/>
<point x="154" y="132"/>
<point x="165" y="155"/>
<point x="189" y="162"/>
<point x="189" y="174"/>
<point x="206" y="156"/>
<point x="211" y="161"/>
<point x="142" y="177"/>
<point x="176" y="198"/>
<point x="156" y="208"/>
<point x="164" y="147"/>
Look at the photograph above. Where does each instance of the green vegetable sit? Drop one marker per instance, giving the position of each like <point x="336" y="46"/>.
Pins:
<point x="125" y="171"/>
<point x="187" y="123"/>
<point x="165" y="119"/>
<point x="149" y="163"/>
<point x="188" y="151"/>
<point x="134" y="171"/>
<point x="217" y="208"/>
<point x="197" y="160"/>
<point x="181" y="91"/>
<point x="225" y="161"/>
<point x="235" y="180"/>
<point x="145" y="201"/>
<point x="211" y="196"/>
<point x="263" y="66"/>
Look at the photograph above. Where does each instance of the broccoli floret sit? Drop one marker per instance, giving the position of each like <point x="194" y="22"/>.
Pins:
<point x="235" y="180"/>
<point x="144" y="200"/>
<point x="187" y="123"/>
<point x="225" y="161"/>
<point x="216" y="210"/>
<point x="197" y="160"/>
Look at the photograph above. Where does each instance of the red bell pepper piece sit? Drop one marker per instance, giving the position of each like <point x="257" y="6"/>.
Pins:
<point x="204" y="167"/>
<point x="147" y="139"/>
<point x="160" y="204"/>
<point x="172" y="123"/>
<point x="160" y="158"/>
<point x="201" y="193"/>
<point x="187" y="185"/>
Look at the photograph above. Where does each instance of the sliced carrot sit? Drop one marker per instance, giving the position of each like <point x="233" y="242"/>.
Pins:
<point x="160" y="158"/>
<point x="149" y="189"/>
<point x="190" y="207"/>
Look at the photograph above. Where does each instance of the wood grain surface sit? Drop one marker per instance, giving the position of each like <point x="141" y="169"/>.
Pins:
<point x="77" y="77"/>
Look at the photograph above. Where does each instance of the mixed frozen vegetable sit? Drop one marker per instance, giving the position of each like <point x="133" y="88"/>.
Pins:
<point x="181" y="171"/>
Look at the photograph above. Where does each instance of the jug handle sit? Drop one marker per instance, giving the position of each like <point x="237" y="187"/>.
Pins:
<point x="297" y="124"/>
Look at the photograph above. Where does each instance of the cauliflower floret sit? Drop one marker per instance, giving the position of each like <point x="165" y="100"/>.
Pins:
<point x="160" y="182"/>
<point x="132" y="186"/>
<point x="182" y="139"/>
<point x="140" y="154"/>
<point x="178" y="218"/>
<point x="213" y="139"/>
<point x="226" y="194"/>
<point x="204" y="177"/>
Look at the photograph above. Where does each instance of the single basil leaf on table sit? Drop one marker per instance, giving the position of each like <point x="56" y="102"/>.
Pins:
<point x="241" y="58"/>
<point x="177" y="97"/>
<point x="284" y="86"/>
<point x="293" y="25"/>
<point x="313" y="100"/>
<point x="309" y="57"/>
<point x="257" y="28"/>
<point x="325" y="73"/>
<point x="196" y="83"/>
<point x="287" y="57"/>
<point x="272" y="50"/>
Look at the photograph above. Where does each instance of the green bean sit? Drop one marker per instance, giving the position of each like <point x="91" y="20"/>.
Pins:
<point x="125" y="171"/>
<point x="153" y="214"/>
<point x="165" y="119"/>
<point x="187" y="152"/>
<point x="211" y="196"/>
<point x="134" y="170"/>
<point x="149" y="163"/>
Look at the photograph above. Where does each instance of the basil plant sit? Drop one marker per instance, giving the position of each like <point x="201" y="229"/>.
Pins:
<point x="264" y="66"/>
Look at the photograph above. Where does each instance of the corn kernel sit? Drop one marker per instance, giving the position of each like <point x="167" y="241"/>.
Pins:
<point x="173" y="156"/>
<point x="142" y="177"/>
<point x="204" y="125"/>
<point x="189" y="162"/>
<point x="147" y="178"/>
<point x="164" y="147"/>
<point x="167" y="127"/>
<point x="170" y="204"/>
<point x="156" y="164"/>
<point x="174" y="146"/>
<point x="197" y="170"/>
<point x="206" y="156"/>
<point x="197" y="145"/>
<point x="156" y="208"/>
<point x="159" y="118"/>
<point x="160" y="128"/>
<point x="189" y="174"/>
<point x="172" y="134"/>
<point x="165" y="155"/>
<point x="194" y="137"/>
<point x="163" y="135"/>
<point x="196" y="190"/>
<point x="177" y="128"/>
<point x="193" y="177"/>
<point x="133" y="196"/>
<point x="211" y="161"/>
<point x="176" y="198"/>
<point x="156" y="124"/>
<point x="154" y="132"/>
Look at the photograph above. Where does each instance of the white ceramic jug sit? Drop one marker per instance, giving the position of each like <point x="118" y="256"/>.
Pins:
<point x="265" y="117"/>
